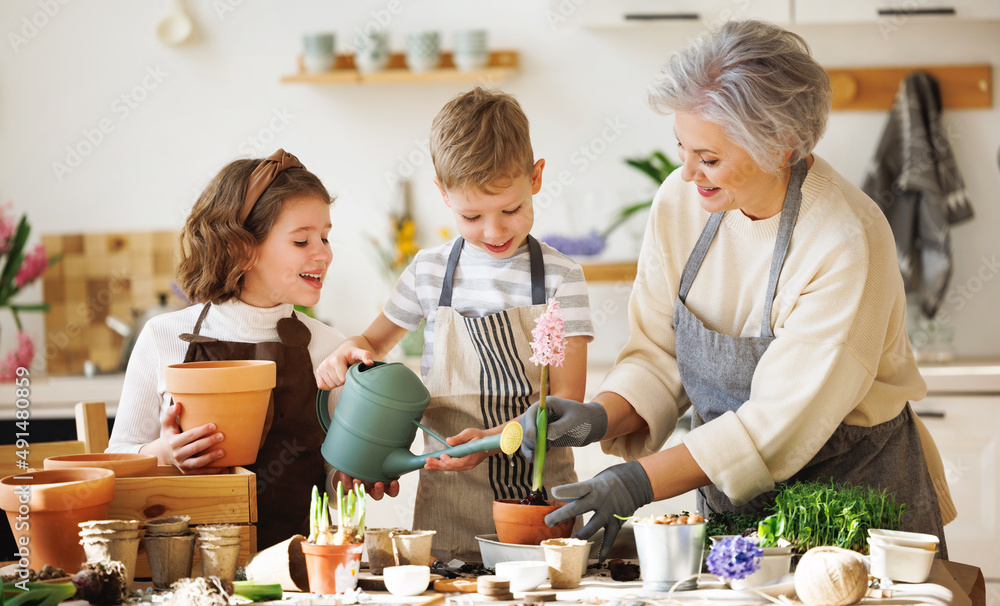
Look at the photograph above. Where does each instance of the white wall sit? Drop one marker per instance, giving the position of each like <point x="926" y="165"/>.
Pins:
<point x="200" y="105"/>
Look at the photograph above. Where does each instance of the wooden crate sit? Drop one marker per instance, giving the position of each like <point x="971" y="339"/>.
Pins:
<point x="227" y="498"/>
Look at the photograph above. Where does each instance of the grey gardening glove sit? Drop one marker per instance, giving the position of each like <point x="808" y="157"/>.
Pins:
<point x="571" y="423"/>
<point x="619" y="489"/>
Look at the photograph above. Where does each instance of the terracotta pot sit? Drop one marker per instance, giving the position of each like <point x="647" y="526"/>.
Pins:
<point x="332" y="568"/>
<point x="232" y="394"/>
<point x="59" y="500"/>
<point x="124" y="464"/>
<point x="525" y="524"/>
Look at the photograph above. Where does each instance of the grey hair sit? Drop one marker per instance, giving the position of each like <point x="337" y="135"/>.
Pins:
<point x="755" y="80"/>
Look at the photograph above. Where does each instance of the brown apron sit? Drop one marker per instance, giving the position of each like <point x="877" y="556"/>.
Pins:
<point x="288" y="463"/>
<point x="481" y="377"/>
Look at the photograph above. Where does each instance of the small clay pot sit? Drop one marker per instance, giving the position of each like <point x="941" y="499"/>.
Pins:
<point x="233" y="394"/>
<point x="332" y="568"/>
<point x="124" y="464"/>
<point x="525" y="524"/>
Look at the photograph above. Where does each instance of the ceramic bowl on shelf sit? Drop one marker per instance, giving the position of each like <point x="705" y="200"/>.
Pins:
<point x="124" y="464"/>
<point x="524" y="575"/>
<point x="406" y="580"/>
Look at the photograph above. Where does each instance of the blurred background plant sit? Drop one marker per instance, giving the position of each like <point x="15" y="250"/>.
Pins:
<point x="20" y="269"/>
<point x="657" y="166"/>
<point x="398" y="253"/>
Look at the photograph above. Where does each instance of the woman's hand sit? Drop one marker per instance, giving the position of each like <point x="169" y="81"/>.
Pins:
<point x="571" y="423"/>
<point x="447" y="463"/>
<point x="618" y="490"/>
<point x="332" y="372"/>
<point x="190" y="451"/>
<point x="375" y="490"/>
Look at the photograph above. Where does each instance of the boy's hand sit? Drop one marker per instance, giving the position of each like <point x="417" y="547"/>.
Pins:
<point x="375" y="490"/>
<point x="332" y="372"/>
<point x="447" y="463"/>
<point x="189" y="451"/>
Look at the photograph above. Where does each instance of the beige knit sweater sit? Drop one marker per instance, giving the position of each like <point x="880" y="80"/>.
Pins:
<point x="841" y="353"/>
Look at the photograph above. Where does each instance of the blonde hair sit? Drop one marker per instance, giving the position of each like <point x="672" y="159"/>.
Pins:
<point x="755" y="80"/>
<point x="216" y="249"/>
<point x="479" y="138"/>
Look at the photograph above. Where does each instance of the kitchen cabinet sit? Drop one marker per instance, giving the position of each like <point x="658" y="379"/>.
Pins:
<point x="962" y="413"/>
<point x="890" y="14"/>
<point x="613" y="13"/>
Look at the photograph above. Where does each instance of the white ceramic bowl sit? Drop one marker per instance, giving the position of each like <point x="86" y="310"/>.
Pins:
<point x="898" y="563"/>
<point x="406" y="580"/>
<point x="494" y="552"/>
<point x="524" y="575"/>
<point x="771" y="567"/>
<point x="918" y="540"/>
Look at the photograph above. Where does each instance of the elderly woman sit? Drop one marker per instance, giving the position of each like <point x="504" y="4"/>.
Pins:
<point x="768" y="298"/>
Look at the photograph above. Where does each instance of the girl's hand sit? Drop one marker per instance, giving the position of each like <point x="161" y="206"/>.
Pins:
<point x="332" y="372"/>
<point x="375" y="490"/>
<point x="190" y="451"/>
<point x="447" y="463"/>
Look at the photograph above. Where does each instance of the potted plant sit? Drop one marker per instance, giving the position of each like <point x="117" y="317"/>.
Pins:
<point x="333" y="557"/>
<point x="523" y="521"/>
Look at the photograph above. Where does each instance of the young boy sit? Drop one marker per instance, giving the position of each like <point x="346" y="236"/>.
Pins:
<point x="479" y="296"/>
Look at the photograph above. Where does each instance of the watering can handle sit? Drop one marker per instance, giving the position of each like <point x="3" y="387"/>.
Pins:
<point x="323" y="408"/>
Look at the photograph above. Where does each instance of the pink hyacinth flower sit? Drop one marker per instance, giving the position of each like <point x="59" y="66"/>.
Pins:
<point x="7" y="227"/>
<point x="549" y="346"/>
<point x="34" y="265"/>
<point x="20" y="356"/>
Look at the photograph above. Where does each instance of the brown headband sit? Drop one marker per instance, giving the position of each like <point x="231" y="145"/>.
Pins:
<point x="263" y="176"/>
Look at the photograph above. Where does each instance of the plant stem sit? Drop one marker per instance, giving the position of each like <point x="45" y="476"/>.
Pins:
<point x="541" y="437"/>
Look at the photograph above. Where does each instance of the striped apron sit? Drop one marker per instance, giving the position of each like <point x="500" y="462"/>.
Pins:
<point x="480" y="377"/>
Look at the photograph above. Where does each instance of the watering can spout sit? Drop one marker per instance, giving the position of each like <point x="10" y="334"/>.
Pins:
<point x="376" y="419"/>
<point x="401" y="461"/>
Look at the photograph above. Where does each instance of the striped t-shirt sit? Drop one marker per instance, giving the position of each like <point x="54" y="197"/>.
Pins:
<point x="483" y="285"/>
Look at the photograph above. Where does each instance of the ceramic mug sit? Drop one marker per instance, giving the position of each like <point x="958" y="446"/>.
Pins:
<point x="423" y="51"/>
<point x="470" y="49"/>
<point x="371" y="51"/>
<point x="318" y="53"/>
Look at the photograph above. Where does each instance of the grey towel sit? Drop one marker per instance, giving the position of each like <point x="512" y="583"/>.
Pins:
<point x="916" y="182"/>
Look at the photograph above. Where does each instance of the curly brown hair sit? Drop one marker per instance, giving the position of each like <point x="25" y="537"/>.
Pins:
<point x="479" y="138"/>
<point x="215" y="248"/>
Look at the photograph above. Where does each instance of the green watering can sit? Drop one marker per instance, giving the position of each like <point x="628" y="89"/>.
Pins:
<point x="376" y="420"/>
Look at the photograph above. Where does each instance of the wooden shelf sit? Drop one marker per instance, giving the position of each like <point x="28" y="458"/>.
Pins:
<point x="499" y="66"/>
<point x="623" y="271"/>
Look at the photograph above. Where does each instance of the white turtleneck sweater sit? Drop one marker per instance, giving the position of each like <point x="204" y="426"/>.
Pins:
<point x="144" y="396"/>
<point x="841" y="352"/>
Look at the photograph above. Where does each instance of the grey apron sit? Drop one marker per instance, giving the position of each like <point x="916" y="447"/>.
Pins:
<point x="717" y="371"/>
<point x="481" y="377"/>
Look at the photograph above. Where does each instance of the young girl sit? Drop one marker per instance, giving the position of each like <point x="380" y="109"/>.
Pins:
<point x="254" y="245"/>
